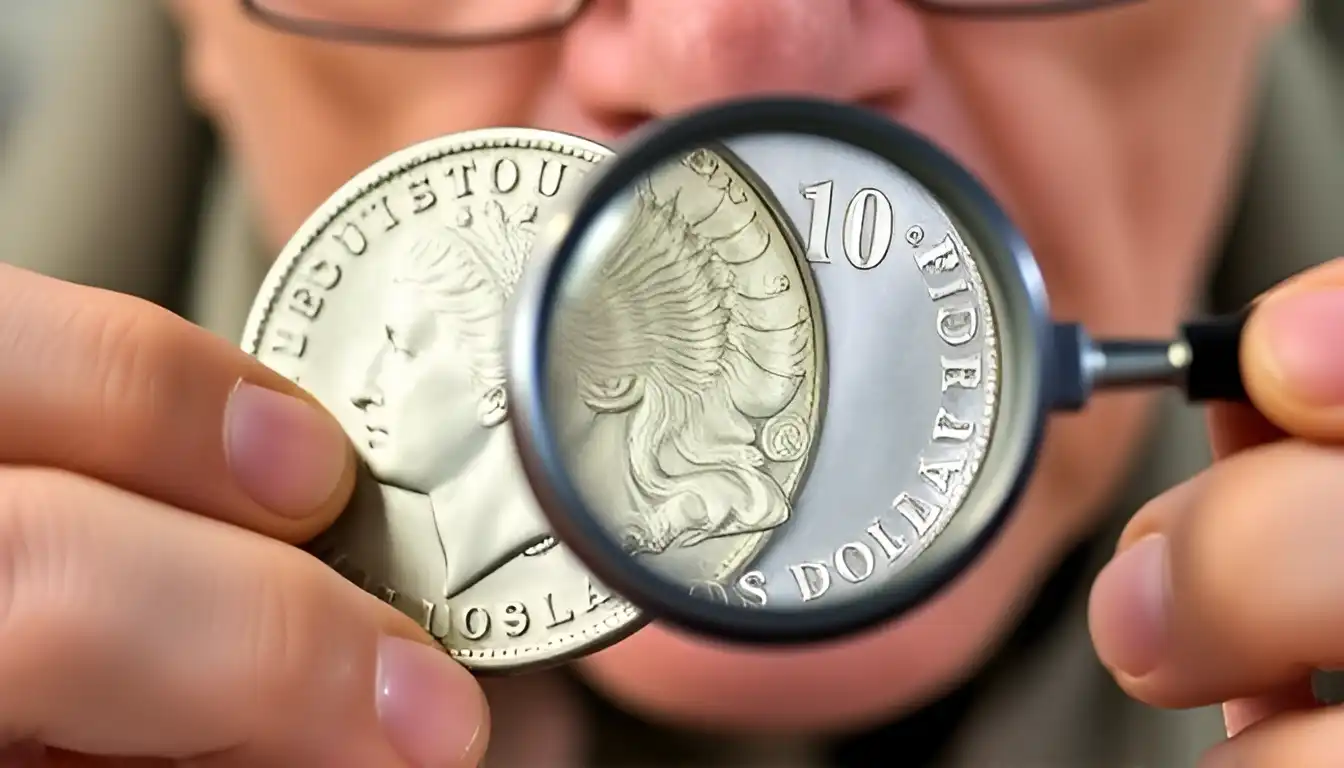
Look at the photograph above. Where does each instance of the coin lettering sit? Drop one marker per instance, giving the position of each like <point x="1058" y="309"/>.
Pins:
<point x="389" y="306"/>
<point x="964" y="380"/>
<point x="957" y="325"/>
<point x="947" y="427"/>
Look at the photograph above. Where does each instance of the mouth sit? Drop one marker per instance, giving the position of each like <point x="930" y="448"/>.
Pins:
<point x="375" y="436"/>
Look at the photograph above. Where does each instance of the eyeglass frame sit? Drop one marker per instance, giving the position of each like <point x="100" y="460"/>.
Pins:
<point x="362" y="35"/>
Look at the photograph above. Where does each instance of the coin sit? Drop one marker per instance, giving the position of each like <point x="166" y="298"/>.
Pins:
<point x="915" y="376"/>
<point x="912" y="370"/>
<point x="891" y="458"/>
<point x="689" y="371"/>
<point x="389" y="307"/>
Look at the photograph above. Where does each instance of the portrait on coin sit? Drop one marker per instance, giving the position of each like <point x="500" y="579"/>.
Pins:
<point x="675" y="363"/>
<point x="433" y="401"/>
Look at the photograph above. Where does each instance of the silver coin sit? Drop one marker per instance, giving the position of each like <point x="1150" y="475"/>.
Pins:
<point x="689" y="371"/>
<point x="389" y="307"/>
<point x="911" y="361"/>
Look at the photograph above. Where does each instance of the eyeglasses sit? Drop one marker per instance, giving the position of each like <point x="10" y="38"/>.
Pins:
<point x="458" y="23"/>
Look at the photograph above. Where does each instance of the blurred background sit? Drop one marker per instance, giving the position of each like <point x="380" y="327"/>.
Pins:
<point x="27" y="28"/>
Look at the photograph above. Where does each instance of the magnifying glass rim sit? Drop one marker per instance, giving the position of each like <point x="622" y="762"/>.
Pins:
<point x="974" y="213"/>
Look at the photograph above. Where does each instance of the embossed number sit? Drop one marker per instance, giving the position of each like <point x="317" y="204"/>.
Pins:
<point x="820" y="195"/>
<point x="856" y="219"/>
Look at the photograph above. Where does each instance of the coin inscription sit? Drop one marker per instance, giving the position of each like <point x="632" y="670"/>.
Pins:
<point x="686" y="371"/>
<point x="954" y="447"/>
<point x="389" y="306"/>
<point x="913" y="363"/>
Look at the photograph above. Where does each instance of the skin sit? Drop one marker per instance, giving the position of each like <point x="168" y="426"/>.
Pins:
<point x="1111" y="137"/>
<point x="1049" y="113"/>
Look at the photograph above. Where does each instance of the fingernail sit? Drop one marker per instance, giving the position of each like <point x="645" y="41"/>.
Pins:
<point x="1306" y="340"/>
<point x="1128" y="607"/>
<point x="285" y="453"/>
<point x="432" y="710"/>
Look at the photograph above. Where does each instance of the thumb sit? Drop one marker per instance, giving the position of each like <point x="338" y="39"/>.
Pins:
<point x="1240" y="714"/>
<point x="1293" y="355"/>
<point x="132" y="629"/>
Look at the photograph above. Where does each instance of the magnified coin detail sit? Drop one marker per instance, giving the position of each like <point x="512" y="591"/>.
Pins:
<point x="389" y="306"/>
<point x="688" y="371"/>
<point x="840" y="396"/>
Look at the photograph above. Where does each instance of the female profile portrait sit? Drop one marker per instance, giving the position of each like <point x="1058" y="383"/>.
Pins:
<point x="668" y="367"/>
<point x="433" y="400"/>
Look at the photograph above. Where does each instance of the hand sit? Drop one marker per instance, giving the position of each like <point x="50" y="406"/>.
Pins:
<point x="1230" y="587"/>
<point x="151" y="603"/>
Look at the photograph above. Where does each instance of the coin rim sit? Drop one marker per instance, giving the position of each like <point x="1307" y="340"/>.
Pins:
<point x="1016" y="292"/>
<point x="624" y="621"/>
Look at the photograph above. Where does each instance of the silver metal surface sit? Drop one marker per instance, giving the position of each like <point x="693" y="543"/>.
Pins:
<point x="1121" y="364"/>
<point x="711" y="374"/>
<point x="389" y="306"/>
<point x="688" y="371"/>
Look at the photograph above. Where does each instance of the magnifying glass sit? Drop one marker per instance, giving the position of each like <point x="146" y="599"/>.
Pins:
<point x="781" y="370"/>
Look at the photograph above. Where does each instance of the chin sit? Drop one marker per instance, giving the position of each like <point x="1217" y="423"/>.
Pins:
<point x="683" y="681"/>
<point x="380" y="465"/>
<point x="390" y="469"/>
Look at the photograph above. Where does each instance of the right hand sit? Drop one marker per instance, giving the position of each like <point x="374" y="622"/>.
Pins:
<point x="151" y="602"/>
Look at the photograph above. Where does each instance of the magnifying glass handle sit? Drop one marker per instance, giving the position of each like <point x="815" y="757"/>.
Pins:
<point x="1214" y="372"/>
<point x="1204" y="361"/>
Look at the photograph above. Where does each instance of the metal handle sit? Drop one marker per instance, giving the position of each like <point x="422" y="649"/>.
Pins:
<point x="1204" y="362"/>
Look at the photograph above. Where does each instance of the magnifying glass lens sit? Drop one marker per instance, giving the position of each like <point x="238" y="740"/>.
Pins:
<point x="688" y="364"/>
<point x="768" y="383"/>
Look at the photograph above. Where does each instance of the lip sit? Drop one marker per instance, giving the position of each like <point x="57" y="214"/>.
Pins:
<point x="375" y="434"/>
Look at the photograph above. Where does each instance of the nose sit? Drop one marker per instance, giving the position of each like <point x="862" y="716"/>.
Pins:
<point x="369" y="395"/>
<point x="634" y="58"/>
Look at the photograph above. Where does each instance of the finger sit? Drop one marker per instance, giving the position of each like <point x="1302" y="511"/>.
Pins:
<point x="132" y="628"/>
<point x="1230" y="586"/>
<point x="119" y="389"/>
<point x="1326" y="275"/>
<point x="1234" y="427"/>
<point x="1301" y="739"/>
<point x="1293" y="358"/>
<point x="1163" y="512"/>
<point x="1240" y="714"/>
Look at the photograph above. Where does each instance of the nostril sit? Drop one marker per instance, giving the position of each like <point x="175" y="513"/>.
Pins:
<point x="618" y="123"/>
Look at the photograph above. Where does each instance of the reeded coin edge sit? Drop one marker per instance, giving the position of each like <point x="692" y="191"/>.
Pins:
<point x="627" y="618"/>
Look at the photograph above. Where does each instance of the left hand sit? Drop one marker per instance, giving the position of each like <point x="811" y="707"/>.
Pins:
<point x="1230" y="587"/>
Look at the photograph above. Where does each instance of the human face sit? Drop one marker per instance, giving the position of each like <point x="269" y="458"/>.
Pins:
<point x="1110" y="137"/>
<point x="421" y="412"/>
